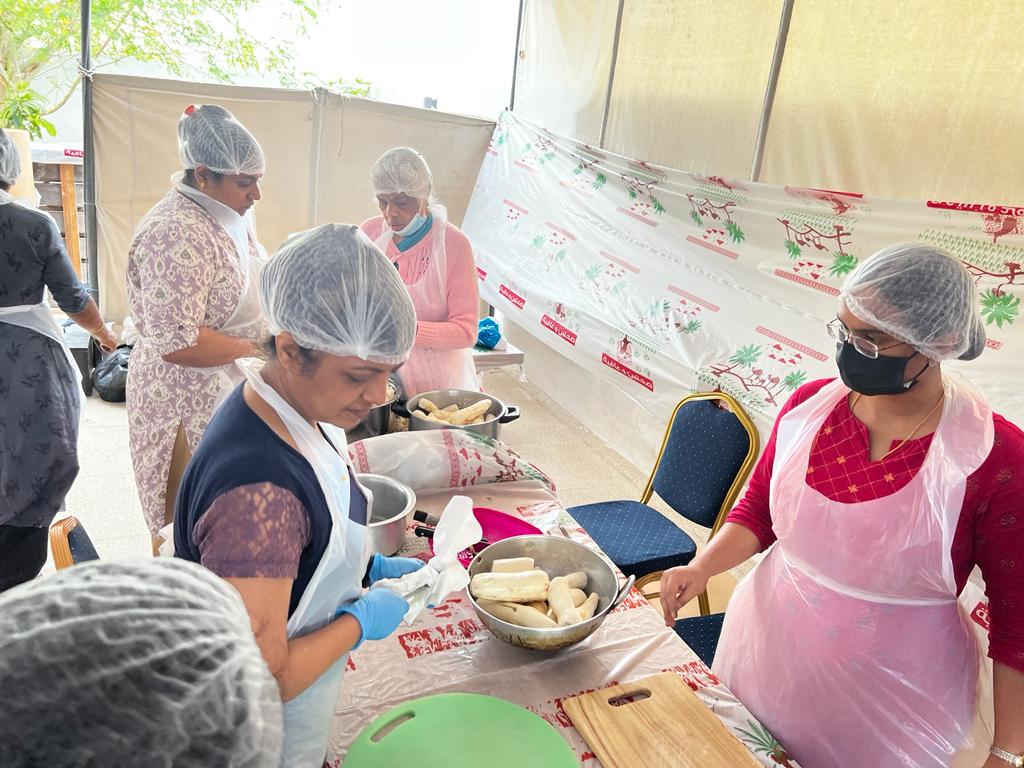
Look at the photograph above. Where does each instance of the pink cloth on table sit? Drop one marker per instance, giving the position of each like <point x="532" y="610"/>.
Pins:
<point x="460" y="330"/>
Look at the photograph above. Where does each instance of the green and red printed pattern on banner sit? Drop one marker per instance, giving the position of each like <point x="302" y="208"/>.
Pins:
<point x="664" y="282"/>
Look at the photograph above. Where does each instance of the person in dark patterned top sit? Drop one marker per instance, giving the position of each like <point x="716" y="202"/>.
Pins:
<point x="38" y="388"/>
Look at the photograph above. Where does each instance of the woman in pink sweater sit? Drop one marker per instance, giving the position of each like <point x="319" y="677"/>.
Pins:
<point x="435" y="261"/>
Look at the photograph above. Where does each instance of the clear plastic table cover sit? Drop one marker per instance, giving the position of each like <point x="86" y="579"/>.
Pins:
<point x="447" y="650"/>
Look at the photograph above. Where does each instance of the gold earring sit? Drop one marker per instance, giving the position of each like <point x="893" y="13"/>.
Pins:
<point x="202" y="186"/>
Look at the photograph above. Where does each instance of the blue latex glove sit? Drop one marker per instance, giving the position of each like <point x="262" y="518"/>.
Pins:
<point x="379" y="612"/>
<point x="392" y="567"/>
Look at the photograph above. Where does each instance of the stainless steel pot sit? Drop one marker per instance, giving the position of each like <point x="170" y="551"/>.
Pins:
<point x="378" y="420"/>
<point x="392" y="504"/>
<point x="557" y="556"/>
<point x="498" y="414"/>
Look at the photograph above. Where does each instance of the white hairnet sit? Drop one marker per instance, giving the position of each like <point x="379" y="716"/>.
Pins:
<point x="210" y="135"/>
<point x="10" y="162"/>
<point x="334" y="291"/>
<point x="149" y="662"/>
<point x="402" y="170"/>
<point x="922" y="295"/>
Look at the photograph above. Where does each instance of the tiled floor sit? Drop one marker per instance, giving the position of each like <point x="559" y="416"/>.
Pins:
<point x="583" y="467"/>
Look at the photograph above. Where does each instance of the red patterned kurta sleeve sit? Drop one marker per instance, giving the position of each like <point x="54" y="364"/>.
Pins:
<point x="995" y="495"/>
<point x="753" y="511"/>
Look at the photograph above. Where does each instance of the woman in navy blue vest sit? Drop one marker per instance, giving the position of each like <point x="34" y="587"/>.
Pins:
<point x="269" y="501"/>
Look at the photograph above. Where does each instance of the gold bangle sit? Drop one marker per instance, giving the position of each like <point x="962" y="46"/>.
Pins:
<point x="102" y="327"/>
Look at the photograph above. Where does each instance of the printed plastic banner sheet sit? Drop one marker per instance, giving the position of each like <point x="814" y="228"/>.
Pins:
<point x="664" y="282"/>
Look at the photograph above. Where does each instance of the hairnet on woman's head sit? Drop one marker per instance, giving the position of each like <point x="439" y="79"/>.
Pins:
<point x="147" y="662"/>
<point x="10" y="162"/>
<point x="334" y="291"/>
<point x="402" y="170"/>
<point x="210" y="135"/>
<point x="922" y="295"/>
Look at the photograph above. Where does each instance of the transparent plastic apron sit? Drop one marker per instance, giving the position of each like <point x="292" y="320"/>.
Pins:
<point x="39" y="318"/>
<point x="336" y="581"/>
<point x="847" y="641"/>
<point x="429" y="369"/>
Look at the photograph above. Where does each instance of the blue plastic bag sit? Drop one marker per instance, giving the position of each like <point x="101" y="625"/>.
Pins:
<point x="489" y="334"/>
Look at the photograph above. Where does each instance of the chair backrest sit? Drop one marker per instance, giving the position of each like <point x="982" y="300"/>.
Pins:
<point x="70" y="543"/>
<point x="705" y="458"/>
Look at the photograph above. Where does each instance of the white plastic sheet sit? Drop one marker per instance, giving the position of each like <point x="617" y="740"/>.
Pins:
<point x="660" y="281"/>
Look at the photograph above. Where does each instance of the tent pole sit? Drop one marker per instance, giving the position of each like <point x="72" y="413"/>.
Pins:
<point x="611" y="74"/>
<point x="515" y="61"/>
<point x="89" y="181"/>
<point x="773" y="82"/>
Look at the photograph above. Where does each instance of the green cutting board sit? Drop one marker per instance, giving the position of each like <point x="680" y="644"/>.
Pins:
<point x="459" y="730"/>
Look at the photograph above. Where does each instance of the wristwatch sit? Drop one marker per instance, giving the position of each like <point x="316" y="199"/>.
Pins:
<point x="1017" y="761"/>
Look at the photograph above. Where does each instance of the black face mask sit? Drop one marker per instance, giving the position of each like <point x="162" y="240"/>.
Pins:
<point x="874" y="376"/>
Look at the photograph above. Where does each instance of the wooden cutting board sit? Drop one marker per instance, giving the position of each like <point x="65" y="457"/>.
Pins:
<point x="670" y="727"/>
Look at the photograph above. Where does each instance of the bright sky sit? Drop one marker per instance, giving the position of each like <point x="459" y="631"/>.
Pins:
<point x="459" y="52"/>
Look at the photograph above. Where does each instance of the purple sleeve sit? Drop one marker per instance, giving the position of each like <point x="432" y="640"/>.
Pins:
<point x="253" y="531"/>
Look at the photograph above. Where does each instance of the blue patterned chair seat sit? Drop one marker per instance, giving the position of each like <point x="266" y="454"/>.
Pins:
<point x="637" y="538"/>
<point x="701" y="633"/>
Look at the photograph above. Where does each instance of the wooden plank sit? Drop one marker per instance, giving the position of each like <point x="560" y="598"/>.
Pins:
<point x="665" y="725"/>
<point x="70" y="206"/>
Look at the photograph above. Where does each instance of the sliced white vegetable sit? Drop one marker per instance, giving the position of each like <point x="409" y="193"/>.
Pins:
<point x="588" y="608"/>
<point x="512" y="564"/>
<point x="517" y="587"/>
<point x="521" y="615"/>
<point x="560" y="601"/>
<point x="579" y="597"/>
<point x="577" y="580"/>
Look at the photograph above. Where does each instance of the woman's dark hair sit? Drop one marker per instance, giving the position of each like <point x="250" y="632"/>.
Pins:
<point x="190" y="176"/>
<point x="310" y="357"/>
<point x="5" y="187"/>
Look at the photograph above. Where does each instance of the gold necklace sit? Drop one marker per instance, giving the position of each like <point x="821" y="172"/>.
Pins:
<point x="919" y="425"/>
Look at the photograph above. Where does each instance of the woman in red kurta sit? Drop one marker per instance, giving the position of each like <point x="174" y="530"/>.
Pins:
<point x="877" y="495"/>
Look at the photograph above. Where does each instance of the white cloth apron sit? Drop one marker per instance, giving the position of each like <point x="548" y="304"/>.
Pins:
<point x="336" y="581"/>
<point x="429" y="369"/>
<point x="39" y="318"/>
<point x="249" y="312"/>
<point x="847" y="641"/>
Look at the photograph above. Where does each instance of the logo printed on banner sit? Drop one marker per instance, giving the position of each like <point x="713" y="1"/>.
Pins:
<point x="513" y="216"/>
<point x="626" y="371"/>
<point x="445" y="637"/>
<point x="641" y="180"/>
<point x="839" y="202"/>
<point x="512" y="293"/>
<point x="756" y="384"/>
<point x="981" y="616"/>
<point x="995" y="269"/>
<point x="819" y="235"/>
<point x="552" y="245"/>
<point x="696" y="675"/>
<point x="558" y="329"/>
<point x="711" y="205"/>
<point x="587" y="174"/>
<point x="481" y="273"/>
<point x="538" y="153"/>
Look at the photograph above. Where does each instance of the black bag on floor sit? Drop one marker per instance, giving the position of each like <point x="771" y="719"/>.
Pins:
<point x="110" y="376"/>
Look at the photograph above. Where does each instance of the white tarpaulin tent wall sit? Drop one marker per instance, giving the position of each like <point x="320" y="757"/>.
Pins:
<point x="319" y="148"/>
<point x="896" y="100"/>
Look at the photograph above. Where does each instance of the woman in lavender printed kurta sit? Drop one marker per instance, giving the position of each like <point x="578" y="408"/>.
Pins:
<point x="192" y="271"/>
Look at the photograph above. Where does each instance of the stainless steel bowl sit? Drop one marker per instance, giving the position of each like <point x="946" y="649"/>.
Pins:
<point x="392" y="504"/>
<point x="558" y="556"/>
<point x="497" y="414"/>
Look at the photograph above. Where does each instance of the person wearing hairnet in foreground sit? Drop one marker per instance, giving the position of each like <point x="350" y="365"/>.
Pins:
<point x="136" y="663"/>
<point x="435" y="261"/>
<point x="193" y="267"/>
<point x="880" y="492"/>
<point x="269" y="501"/>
